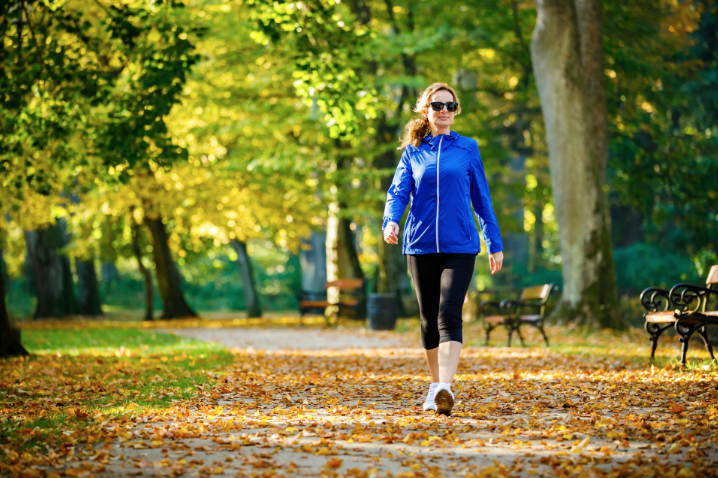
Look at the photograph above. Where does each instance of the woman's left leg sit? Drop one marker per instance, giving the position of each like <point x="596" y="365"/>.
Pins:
<point x="455" y="279"/>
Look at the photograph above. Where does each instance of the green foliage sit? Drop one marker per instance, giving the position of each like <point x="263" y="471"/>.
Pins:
<point x="81" y="83"/>
<point x="641" y="265"/>
<point x="246" y="120"/>
<point x="157" y="53"/>
<point x="661" y="98"/>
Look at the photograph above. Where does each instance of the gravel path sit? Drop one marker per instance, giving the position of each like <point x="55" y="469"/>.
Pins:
<point x="294" y="339"/>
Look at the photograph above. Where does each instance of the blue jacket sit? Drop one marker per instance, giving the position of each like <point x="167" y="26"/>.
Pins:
<point x="443" y="176"/>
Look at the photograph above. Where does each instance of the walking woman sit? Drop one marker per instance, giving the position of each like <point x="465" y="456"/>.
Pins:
<point x="441" y="172"/>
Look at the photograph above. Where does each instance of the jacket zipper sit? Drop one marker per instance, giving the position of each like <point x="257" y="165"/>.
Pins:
<point x="438" y="157"/>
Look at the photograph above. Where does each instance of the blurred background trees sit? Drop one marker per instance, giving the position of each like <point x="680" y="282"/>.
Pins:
<point x="241" y="150"/>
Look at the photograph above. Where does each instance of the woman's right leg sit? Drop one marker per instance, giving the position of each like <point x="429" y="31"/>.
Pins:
<point x="426" y="275"/>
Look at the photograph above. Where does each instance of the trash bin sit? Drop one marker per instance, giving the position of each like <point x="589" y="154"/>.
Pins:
<point x="382" y="311"/>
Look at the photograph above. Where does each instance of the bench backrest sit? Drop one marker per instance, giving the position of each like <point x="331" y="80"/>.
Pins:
<point x="539" y="292"/>
<point x="346" y="283"/>
<point x="712" y="276"/>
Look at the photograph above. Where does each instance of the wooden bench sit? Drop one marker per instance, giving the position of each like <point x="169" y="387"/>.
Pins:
<point x="352" y="297"/>
<point x="529" y="309"/>
<point x="685" y="308"/>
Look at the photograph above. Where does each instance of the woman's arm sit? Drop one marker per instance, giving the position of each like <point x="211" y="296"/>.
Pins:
<point x="399" y="192"/>
<point x="481" y="200"/>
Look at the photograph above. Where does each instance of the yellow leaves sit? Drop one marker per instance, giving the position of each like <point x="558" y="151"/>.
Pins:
<point x="677" y="408"/>
<point x="267" y="389"/>
<point x="675" y="448"/>
<point x="581" y="445"/>
<point x="334" y="463"/>
<point x="325" y="451"/>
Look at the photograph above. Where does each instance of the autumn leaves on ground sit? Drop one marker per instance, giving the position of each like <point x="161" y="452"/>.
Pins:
<point x="288" y="401"/>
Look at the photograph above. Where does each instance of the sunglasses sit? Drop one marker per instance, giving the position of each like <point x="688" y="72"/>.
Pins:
<point x="438" y="106"/>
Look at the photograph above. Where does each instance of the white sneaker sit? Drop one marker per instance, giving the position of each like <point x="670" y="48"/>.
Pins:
<point x="429" y="402"/>
<point x="444" y="399"/>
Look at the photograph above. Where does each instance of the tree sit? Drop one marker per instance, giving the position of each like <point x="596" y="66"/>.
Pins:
<point x="251" y="298"/>
<point x="10" y="344"/>
<point x="51" y="271"/>
<point x="566" y="50"/>
<point x="146" y="274"/>
<point x="663" y="70"/>
<point x="79" y="83"/>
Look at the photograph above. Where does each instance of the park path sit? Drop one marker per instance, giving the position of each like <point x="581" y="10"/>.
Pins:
<point x="294" y="339"/>
<point x="347" y="403"/>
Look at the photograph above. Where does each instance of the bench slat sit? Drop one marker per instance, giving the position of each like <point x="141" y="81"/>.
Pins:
<point x="713" y="276"/>
<point x="346" y="283"/>
<point x="495" y="319"/>
<point x="537" y="292"/>
<point x="314" y="303"/>
<point x="530" y="318"/>
<point x="661" y="317"/>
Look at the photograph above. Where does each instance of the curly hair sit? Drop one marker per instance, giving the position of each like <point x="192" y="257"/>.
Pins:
<point x="416" y="129"/>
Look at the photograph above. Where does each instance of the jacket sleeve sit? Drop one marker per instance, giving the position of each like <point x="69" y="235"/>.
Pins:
<point x="399" y="192"/>
<point x="484" y="210"/>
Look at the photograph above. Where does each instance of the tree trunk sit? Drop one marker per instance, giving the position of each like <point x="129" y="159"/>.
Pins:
<point x="515" y="243"/>
<point x="536" y="252"/>
<point x="174" y="304"/>
<point x="88" y="288"/>
<point x="3" y="270"/>
<point x="313" y="262"/>
<point x="149" y="291"/>
<point x="589" y="293"/>
<point x="251" y="298"/>
<point x="51" y="272"/>
<point x="342" y="257"/>
<point x="392" y="263"/>
<point x="10" y="345"/>
<point x="110" y="274"/>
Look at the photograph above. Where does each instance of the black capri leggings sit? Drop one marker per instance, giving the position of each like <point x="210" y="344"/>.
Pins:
<point x="441" y="282"/>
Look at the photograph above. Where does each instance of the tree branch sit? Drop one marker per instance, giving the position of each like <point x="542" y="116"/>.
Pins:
<point x="517" y="27"/>
<point x="37" y="45"/>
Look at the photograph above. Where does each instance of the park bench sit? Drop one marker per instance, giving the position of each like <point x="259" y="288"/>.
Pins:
<point x="685" y="308"/>
<point x="529" y="309"/>
<point x="351" y="293"/>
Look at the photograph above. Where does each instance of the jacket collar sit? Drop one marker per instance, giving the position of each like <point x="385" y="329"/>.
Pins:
<point x="433" y="141"/>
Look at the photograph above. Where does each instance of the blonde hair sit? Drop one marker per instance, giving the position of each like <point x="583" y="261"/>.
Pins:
<point x="416" y="129"/>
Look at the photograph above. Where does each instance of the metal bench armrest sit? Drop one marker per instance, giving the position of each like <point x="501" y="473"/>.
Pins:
<point x="485" y="305"/>
<point x="655" y="299"/>
<point x="689" y="298"/>
<point x="311" y="295"/>
<point x="515" y="304"/>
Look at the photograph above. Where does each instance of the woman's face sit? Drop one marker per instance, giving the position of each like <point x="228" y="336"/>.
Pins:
<point x="440" y="120"/>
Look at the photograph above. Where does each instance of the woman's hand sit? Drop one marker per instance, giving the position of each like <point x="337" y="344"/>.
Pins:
<point x="496" y="260"/>
<point x="391" y="233"/>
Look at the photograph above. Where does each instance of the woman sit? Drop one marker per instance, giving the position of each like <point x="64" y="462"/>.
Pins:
<point x="443" y="174"/>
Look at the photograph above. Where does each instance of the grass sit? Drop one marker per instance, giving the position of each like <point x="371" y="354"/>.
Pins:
<point x="75" y="377"/>
<point x="629" y="347"/>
